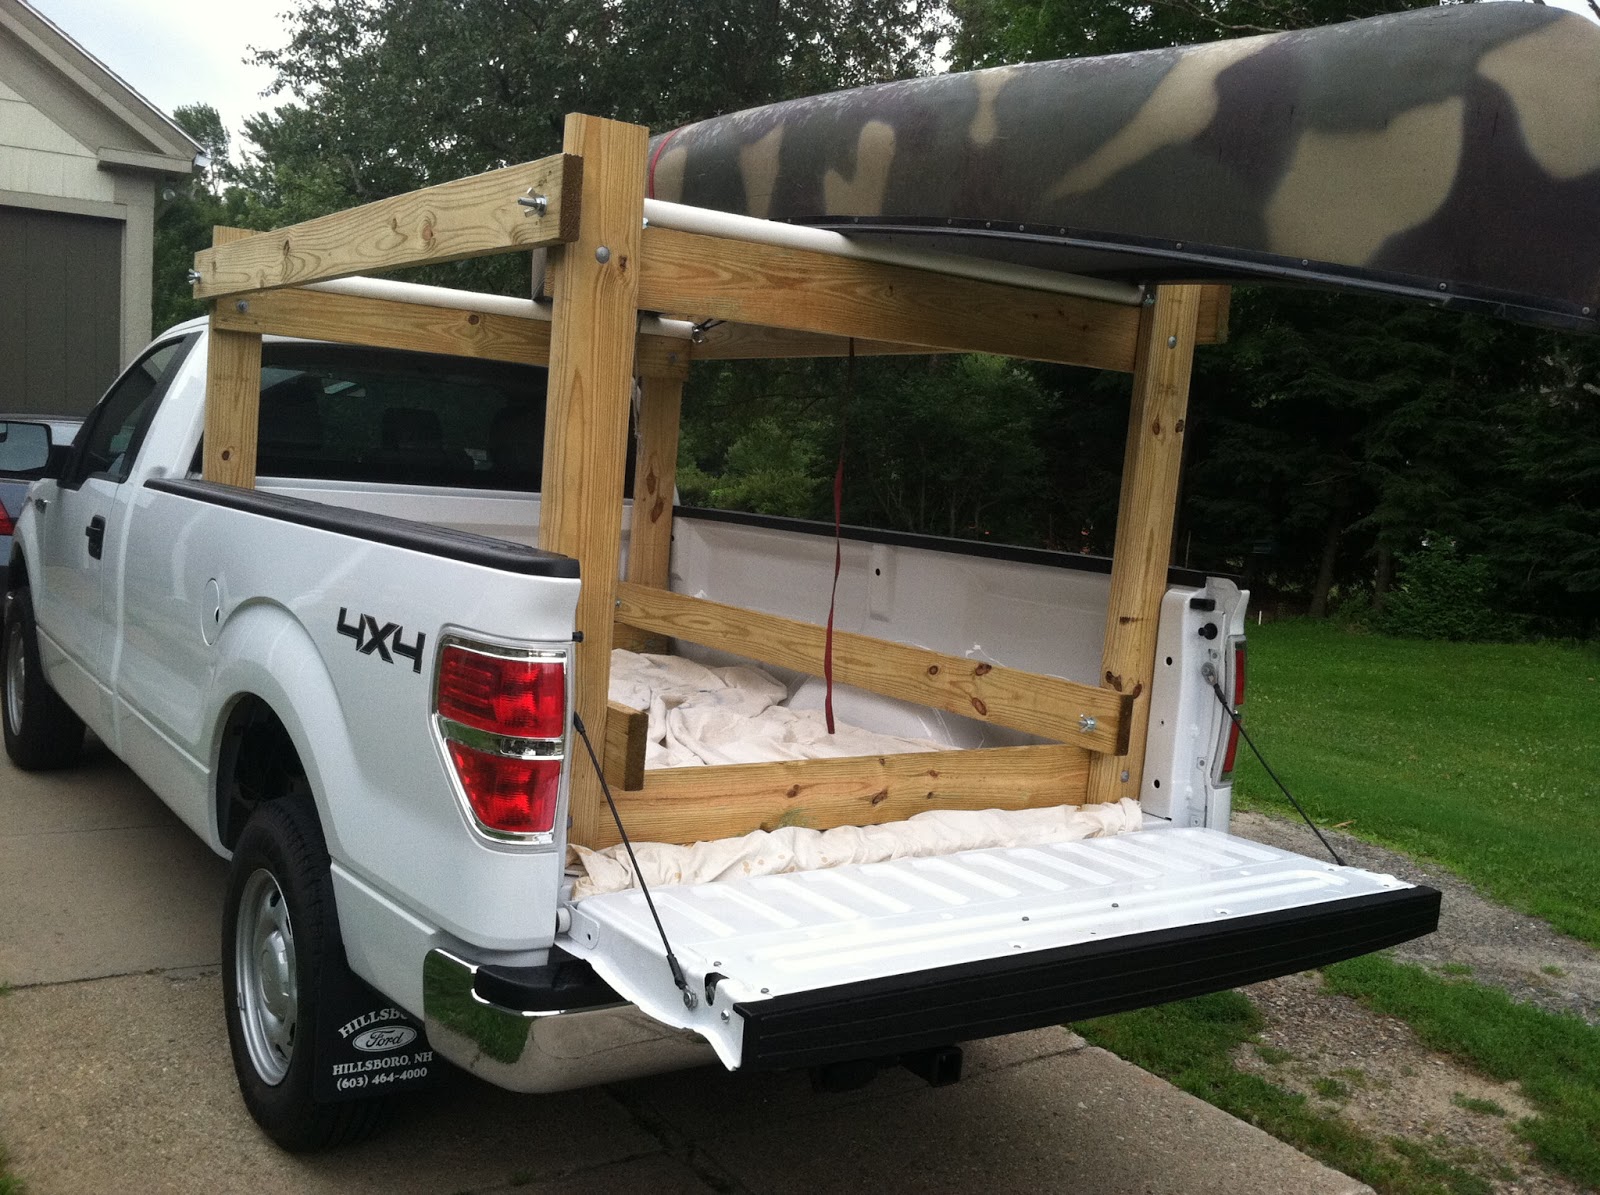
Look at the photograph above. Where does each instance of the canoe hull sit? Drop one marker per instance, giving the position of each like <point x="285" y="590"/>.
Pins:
<point x="1451" y="154"/>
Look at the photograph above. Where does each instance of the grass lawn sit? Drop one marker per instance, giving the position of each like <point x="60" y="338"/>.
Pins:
<point x="1482" y="757"/>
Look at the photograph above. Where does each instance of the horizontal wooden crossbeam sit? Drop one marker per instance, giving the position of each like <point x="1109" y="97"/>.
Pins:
<point x="419" y="327"/>
<point x="468" y="217"/>
<point x="703" y="804"/>
<point x="741" y="342"/>
<point x="1063" y="710"/>
<point x="700" y="277"/>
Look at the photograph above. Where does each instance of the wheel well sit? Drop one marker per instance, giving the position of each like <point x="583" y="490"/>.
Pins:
<point x="16" y="570"/>
<point x="257" y="762"/>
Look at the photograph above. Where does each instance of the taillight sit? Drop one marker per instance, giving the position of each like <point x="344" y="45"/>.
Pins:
<point x="518" y="696"/>
<point x="7" y="525"/>
<point x="1232" y="752"/>
<point x="503" y="716"/>
<point x="509" y="795"/>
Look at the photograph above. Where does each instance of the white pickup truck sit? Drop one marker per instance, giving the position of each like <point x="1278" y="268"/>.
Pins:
<point x="354" y="682"/>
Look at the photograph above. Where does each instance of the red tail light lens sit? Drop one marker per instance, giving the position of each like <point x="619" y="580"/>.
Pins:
<point x="511" y="796"/>
<point x="503" y="717"/>
<point x="518" y="698"/>
<point x="1232" y="753"/>
<point x="7" y="526"/>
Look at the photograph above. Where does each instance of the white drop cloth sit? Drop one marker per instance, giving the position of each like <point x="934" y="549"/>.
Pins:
<point x="701" y="715"/>
<point x="937" y="832"/>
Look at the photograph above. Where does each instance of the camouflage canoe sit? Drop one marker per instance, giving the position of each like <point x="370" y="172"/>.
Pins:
<point x="1448" y="153"/>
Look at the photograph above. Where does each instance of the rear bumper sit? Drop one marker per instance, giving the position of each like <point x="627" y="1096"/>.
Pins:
<point x="596" y="1038"/>
<point x="899" y="1014"/>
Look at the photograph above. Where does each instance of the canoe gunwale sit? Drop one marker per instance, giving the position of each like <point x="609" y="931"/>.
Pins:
<point x="1224" y="264"/>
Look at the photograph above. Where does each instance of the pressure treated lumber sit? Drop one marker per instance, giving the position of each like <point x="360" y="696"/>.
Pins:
<point x="627" y="739"/>
<point x="1028" y="701"/>
<point x="687" y="805"/>
<point x="586" y="420"/>
<point x="654" y="476"/>
<point x="419" y="327"/>
<point x="1139" y="560"/>
<point x="702" y="277"/>
<point x="233" y="395"/>
<point x="466" y="217"/>
<point x="1211" y="323"/>
<point x="742" y="342"/>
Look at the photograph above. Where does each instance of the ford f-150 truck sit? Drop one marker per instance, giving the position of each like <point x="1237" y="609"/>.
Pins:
<point x="355" y="682"/>
<point x="339" y="571"/>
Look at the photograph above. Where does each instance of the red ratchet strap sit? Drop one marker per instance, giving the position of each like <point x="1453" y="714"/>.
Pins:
<point x="838" y="538"/>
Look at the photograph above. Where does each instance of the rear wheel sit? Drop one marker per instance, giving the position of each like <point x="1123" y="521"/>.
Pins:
<point x="281" y="952"/>
<point x="41" y="732"/>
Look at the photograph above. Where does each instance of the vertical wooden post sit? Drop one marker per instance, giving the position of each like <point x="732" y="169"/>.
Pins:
<point x="586" y="424"/>
<point x="1144" y="523"/>
<point x="233" y="395"/>
<point x="650" y="539"/>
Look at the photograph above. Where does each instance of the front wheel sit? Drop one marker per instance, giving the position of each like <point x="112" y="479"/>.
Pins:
<point x="41" y="732"/>
<point x="281" y="954"/>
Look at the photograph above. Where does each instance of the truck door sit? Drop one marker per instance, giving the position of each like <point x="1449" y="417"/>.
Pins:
<point x="73" y="588"/>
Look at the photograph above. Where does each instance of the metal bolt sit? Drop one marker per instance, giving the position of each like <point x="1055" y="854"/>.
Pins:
<point x="194" y="276"/>
<point x="1124" y="775"/>
<point x="241" y="307"/>
<point x="602" y="255"/>
<point x="726" y="1016"/>
<point x="764" y="991"/>
<point x="1086" y="723"/>
<point x="1172" y="342"/>
<point x="688" y="1000"/>
<point x="1305" y="261"/>
<point x="534" y="204"/>
<point x="1444" y="286"/>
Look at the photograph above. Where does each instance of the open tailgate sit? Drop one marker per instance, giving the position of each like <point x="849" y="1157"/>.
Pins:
<point x="886" y="958"/>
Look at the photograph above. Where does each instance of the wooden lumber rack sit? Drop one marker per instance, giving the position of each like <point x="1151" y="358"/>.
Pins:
<point x="607" y="268"/>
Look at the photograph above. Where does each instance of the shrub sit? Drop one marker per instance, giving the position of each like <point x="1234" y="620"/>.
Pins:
<point x="1442" y="594"/>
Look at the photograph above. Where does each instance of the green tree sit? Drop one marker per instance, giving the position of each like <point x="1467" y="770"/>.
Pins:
<point x="396" y="94"/>
<point x="185" y="213"/>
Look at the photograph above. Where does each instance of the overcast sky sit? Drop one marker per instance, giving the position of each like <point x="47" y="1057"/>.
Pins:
<point x="192" y="51"/>
<point x="176" y="52"/>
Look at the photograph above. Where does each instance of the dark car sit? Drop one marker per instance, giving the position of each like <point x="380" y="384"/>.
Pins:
<point x="62" y="430"/>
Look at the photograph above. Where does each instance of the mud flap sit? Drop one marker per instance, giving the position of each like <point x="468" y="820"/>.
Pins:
<point x="366" y="1046"/>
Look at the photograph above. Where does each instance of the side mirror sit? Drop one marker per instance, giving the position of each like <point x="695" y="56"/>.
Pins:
<point x="25" y="451"/>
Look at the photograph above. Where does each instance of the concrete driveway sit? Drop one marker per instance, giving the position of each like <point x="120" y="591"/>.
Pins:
<point x="114" y="1070"/>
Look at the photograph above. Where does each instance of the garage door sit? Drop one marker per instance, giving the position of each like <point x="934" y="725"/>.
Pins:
<point x="60" y="310"/>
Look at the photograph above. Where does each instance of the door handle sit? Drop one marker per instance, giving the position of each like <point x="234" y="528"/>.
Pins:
<point x="96" y="532"/>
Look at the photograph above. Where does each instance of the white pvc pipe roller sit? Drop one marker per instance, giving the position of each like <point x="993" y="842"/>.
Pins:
<point x="467" y="300"/>
<point x="821" y="240"/>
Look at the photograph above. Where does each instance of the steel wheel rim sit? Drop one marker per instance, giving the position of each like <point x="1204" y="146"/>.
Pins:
<point x="16" y="676"/>
<point x="264" y="974"/>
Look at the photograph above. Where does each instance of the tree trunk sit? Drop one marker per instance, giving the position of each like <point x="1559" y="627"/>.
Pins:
<point x="1330" y="557"/>
<point x="1383" y="579"/>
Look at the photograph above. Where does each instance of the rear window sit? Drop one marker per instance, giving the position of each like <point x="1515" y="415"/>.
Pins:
<point x="357" y="414"/>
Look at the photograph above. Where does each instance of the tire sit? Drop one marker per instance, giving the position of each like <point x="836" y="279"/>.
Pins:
<point x="41" y="732"/>
<point x="280" y="952"/>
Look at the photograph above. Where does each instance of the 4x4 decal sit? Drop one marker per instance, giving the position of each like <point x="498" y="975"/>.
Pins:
<point x="370" y="637"/>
